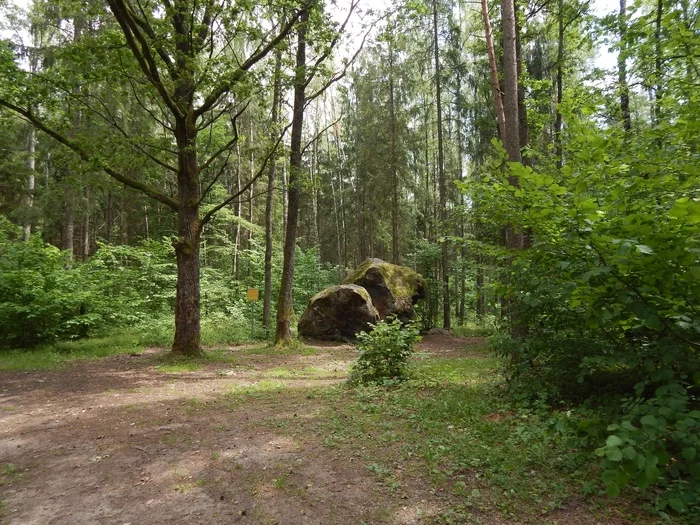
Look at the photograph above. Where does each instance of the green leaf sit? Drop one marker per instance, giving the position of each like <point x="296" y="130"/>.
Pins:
<point x="642" y="248"/>
<point x="613" y="490"/>
<point x="649" y="421"/>
<point x="614" y="454"/>
<point x="689" y="453"/>
<point x="629" y="452"/>
<point x="614" y="441"/>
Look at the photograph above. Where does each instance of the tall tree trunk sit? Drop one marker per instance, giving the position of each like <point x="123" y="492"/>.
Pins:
<point x="86" y="224"/>
<point x="276" y="101"/>
<point x="187" y="300"/>
<point x="658" y="62"/>
<point x="513" y="237"/>
<point x="622" y="68"/>
<point x="251" y="192"/>
<point x="560" y="87"/>
<point x="284" y="199"/>
<point x="31" y="179"/>
<point x="441" y="177"/>
<point x="109" y="216"/>
<point x="395" y="256"/>
<point x="68" y="236"/>
<point x="238" y="211"/>
<point x="493" y="67"/>
<point x="285" y="306"/>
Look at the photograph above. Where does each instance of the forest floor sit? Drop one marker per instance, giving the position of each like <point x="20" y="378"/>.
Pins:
<point x="253" y="435"/>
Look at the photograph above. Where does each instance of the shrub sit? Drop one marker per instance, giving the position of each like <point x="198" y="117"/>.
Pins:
<point x="384" y="353"/>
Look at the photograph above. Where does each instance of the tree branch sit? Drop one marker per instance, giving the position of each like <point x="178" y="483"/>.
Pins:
<point x="85" y="156"/>
<point x="208" y="216"/>
<point x="237" y="75"/>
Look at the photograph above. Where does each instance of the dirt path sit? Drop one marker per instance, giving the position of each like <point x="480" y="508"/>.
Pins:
<point x="118" y="441"/>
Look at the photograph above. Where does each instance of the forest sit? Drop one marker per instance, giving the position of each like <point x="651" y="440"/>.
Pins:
<point x="536" y="161"/>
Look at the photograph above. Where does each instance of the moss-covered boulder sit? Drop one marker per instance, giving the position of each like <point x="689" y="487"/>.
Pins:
<point x="394" y="289"/>
<point x="338" y="313"/>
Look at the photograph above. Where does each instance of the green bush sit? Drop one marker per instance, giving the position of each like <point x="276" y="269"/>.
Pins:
<point x="384" y="353"/>
<point x="41" y="297"/>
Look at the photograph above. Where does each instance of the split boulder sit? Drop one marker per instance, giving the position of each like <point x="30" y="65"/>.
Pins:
<point x="338" y="313"/>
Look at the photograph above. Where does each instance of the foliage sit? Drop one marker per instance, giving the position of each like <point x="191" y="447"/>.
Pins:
<point x="384" y="353"/>
<point x="41" y="298"/>
<point x="609" y="290"/>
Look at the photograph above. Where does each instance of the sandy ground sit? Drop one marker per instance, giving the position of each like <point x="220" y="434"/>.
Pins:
<point x="117" y="441"/>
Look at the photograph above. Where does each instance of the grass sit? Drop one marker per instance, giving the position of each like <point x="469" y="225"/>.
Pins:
<point x="475" y="328"/>
<point x="57" y="355"/>
<point x="451" y="425"/>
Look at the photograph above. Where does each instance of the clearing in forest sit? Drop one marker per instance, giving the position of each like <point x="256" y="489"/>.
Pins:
<point x="253" y="435"/>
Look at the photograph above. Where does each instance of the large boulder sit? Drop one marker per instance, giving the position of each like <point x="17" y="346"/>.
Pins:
<point x="394" y="289"/>
<point x="338" y="313"/>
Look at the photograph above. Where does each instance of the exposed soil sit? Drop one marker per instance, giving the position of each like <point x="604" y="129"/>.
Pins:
<point x="117" y="441"/>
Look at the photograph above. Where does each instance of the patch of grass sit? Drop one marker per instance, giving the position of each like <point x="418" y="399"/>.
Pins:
<point x="280" y="482"/>
<point x="57" y="355"/>
<point x="296" y="347"/>
<point x="257" y="388"/>
<point x="309" y="372"/>
<point x="9" y="473"/>
<point x="169" y="439"/>
<point x="450" y="424"/>
<point x="179" y="367"/>
<point x="475" y="328"/>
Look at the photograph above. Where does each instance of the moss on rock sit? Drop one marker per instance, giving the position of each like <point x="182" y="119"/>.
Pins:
<point x="394" y="289"/>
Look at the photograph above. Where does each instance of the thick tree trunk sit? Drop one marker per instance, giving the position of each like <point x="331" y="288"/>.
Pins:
<point x="276" y="100"/>
<point x="285" y="305"/>
<point x="441" y="177"/>
<point x="512" y="142"/>
<point x="187" y="340"/>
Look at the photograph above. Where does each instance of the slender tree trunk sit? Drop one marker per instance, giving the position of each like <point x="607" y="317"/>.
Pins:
<point x="622" y="69"/>
<point x="31" y="179"/>
<point x="658" y="62"/>
<point x="480" y="297"/>
<point x="86" y="224"/>
<point x="251" y="192"/>
<point x="68" y="237"/>
<point x="395" y="256"/>
<point x="276" y="100"/>
<point x="238" y="211"/>
<point x="441" y="177"/>
<point x="284" y="199"/>
<point x="109" y="216"/>
<point x="495" y="87"/>
<point x="285" y="306"/>
<point x="560" y="87"/>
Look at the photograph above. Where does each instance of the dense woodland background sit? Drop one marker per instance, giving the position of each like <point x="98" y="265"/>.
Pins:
<point x="225" y="145"/>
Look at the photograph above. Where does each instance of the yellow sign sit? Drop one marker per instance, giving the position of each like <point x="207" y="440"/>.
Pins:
<point x="253" y="294"/>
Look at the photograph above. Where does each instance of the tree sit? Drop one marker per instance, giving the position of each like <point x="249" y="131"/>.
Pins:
<point x="190" y="75"/>
<point x="285" y="307"/>
<point x="441" y="175"/>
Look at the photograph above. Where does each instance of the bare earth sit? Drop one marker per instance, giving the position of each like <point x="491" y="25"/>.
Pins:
<point x="117" y="441"/>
